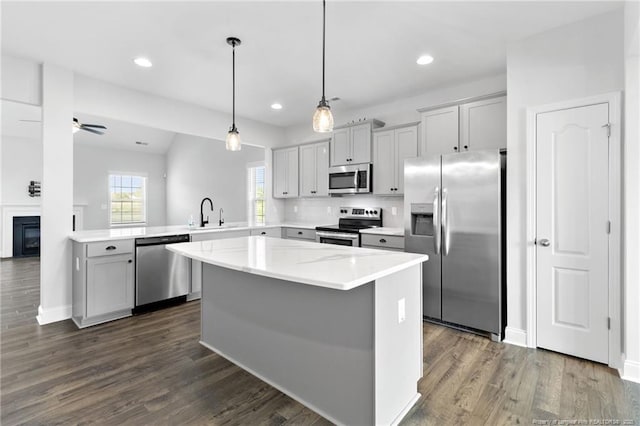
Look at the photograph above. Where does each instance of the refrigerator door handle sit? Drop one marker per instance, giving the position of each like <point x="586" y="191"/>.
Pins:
<point x="445" y="223"/>
<point x="437" y="232"/>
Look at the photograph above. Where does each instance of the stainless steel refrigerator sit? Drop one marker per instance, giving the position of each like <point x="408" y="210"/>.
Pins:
<point x="454" y="212"/>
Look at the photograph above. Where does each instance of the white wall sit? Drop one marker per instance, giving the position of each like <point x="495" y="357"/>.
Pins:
<point x="632" y="191"/>
<point x="573" y="61"/>
<point x="199" y="167"/>
<point x="91" y="167"/>
<point x="21" y="80"/>
<point x="21" y="163"/>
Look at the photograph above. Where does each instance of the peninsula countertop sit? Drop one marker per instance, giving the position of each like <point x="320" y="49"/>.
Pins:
<point x="160" y="231"/>
<point x="323" y="265"/>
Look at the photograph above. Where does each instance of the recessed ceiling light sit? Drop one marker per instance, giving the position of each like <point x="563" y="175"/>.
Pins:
<point x="143" y="62"/>
<point x="424" y="60"/>
<point x="276" y="106"/>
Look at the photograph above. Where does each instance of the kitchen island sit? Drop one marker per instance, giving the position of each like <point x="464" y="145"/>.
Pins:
<point x="337" y="328"/>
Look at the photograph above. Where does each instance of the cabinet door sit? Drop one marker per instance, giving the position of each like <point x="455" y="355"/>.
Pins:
<point x="440" y="131"/>
<point x="483" y="124"/>
<point x="406" y="142"/>
<point x="109" y="284"/>
<point x="360" y="144"/>
<point x="292" y="172"/>
<point x="308" y="172"/>
<point x="340" y="147"/>
<point x="322" y="169"/>
<point x="384" y="173"/>
<point x="279" y="173"/>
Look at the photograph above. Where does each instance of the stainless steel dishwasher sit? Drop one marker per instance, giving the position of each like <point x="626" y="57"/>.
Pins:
<point x="162" y="276"/>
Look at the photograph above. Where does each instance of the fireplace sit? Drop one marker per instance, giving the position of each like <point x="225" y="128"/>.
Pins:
<point x="26" y="236"/>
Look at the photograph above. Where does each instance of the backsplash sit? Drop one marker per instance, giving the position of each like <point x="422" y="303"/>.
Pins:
<point x="325" y="211"/>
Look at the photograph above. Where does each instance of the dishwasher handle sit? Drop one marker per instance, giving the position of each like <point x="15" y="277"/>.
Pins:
<point x="167" y="239"/>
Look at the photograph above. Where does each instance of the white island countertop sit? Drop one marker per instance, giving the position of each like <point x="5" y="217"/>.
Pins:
<point x="323" y="265"/>
<point x="161" y="231"/>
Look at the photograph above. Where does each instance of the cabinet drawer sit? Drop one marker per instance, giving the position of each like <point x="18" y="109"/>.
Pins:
<point x="105" y="248"/>
<point x="269" y="232"/>
<point x="382" y="241"/>
<point x="300" y="233"/>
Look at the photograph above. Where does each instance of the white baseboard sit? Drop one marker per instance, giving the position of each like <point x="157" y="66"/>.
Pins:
<point x="53" y="314"/>
<point x="631" y="371"/>
<point x="515" y="336"/>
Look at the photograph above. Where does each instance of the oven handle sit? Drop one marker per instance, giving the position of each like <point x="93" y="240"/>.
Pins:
<point x="337" y="235"/>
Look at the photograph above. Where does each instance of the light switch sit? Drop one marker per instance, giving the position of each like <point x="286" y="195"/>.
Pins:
<point x="402" y="313"/>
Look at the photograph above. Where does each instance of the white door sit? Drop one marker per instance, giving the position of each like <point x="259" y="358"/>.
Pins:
<point x="307" y="170"/>
<point x="440" y="131"/>
<point x="383" y="162"/>
<point x="572" y="150"/>
<point x="340" y="147"/>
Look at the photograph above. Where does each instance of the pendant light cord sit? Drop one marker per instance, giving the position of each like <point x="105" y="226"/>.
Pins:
<point x="323" y="43"/>
<point x="233" y="79"/>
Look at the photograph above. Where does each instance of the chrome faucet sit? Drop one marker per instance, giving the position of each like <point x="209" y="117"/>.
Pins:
<point x="202" y="221"/>
<point x="221" y="221"/>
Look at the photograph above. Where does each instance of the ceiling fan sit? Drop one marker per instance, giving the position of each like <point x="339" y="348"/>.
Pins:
<point x="92" y="128"/>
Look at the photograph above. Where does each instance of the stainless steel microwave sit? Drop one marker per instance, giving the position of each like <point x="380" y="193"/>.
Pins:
<point x="352" y="179"/>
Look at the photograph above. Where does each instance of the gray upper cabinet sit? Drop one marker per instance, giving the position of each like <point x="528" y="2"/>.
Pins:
<point x="483" y="124"/>
<point x="285" y="173"/>
<point x="352" y="144"/>
<point x="314" y="170"/>
<point x="390" y="149"/>
<point x="476" y="125"/>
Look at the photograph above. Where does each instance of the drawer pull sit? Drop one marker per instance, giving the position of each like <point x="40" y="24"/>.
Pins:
<point x="299" y="232"/>
<point x="263" y="233"/>
<point x="382" y="240"/>
<point x="110" y="248"/>
<point x="130" y="261"/>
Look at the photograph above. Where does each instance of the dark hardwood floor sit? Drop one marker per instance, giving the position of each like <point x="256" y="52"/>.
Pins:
<point x="150" y="369"/>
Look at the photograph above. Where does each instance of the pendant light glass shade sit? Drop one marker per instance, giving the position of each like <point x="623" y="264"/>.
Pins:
<point x="233" y="142"/>
<point x="323" y="119"/>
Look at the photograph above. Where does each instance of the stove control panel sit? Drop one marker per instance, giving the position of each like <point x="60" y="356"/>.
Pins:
<point x="361" y="212"/>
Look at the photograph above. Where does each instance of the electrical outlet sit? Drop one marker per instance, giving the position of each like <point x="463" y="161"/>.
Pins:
<point x="328" y="209"/>
<point x="394" y="211"/>
<point x="295" y="209"/>
<point x="402" y="313"/>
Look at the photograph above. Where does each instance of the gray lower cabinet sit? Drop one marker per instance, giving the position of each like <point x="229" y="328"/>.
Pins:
<point x="103" y="281"/>
<point x="268" y="232"/>
<point x="380" y="241"/>
<point x="299" y="234"/>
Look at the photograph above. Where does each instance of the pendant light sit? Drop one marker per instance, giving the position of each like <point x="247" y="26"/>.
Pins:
<point x="233" y="137"/>
<point x="322" y="118"/>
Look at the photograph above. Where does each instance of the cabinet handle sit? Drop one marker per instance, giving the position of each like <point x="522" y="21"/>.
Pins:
<point x="382" y="240"/>
<point x="263" y="233"/>
<point x="129" y="261"/>
<point x="390" y="189"/>
<point x="395" y="189"/>
<point x="110" y="248"/>
<point x="466" y="147"/>
<point x="455" y="148"/>
<point x="299" y="232"/>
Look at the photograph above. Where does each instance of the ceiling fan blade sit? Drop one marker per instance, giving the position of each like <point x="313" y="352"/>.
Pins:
<point x="31" y="121"/>
<point x="97" y="126"/>
<point x="97" y="132"/>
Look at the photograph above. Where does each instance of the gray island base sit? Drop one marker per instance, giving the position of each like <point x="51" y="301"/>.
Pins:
<point x="352" y="355"/>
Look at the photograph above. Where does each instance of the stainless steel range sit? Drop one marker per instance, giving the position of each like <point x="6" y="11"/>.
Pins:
<point x="351" y="221"/>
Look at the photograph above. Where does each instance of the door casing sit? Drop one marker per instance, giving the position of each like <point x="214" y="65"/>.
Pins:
<point x="614" y="99"/>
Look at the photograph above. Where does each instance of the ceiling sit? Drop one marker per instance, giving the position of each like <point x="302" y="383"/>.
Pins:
<point x="372" y="46"/>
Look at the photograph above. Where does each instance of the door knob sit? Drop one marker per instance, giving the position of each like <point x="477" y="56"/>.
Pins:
<point x="544" y="242"/>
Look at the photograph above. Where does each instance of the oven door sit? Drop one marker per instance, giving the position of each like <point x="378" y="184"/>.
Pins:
<point x="338" y="238"/>
<point x="354" y="179"/>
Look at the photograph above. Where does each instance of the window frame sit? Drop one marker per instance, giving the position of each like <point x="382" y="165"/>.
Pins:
<point x="251" y="193"/>
<point x="145" y="178"/>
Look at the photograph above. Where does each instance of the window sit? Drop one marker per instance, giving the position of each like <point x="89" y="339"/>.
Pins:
<point x="128" y="199"/>
<point x="257" y="206"/>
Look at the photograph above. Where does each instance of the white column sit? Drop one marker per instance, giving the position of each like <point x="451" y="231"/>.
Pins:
<point x="631" y="370"/>
<point x="57" y="194"/>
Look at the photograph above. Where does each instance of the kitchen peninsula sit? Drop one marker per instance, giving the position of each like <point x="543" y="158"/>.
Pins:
<point x="337" y="328"/>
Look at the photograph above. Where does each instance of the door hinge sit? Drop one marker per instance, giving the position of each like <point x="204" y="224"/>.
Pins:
<point x="608" y="126"/>
<point x="608" y="227"/>
<point x="608" y="323"/>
